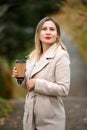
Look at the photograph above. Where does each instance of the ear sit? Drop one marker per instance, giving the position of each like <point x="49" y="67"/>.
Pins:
<point x="57" y="39"/>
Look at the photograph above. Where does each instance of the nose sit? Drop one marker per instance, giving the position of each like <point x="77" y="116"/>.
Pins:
<point x="48" y="31"/>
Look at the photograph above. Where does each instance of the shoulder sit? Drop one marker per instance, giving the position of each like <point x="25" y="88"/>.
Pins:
<point x="61" y="52"/>
<point x="62" y="56"/>
<point x="31" y="56"/>
<point x="30" y="59"/>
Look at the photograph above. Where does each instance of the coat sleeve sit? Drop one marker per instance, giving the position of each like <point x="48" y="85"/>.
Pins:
<point x="62" y="79"/>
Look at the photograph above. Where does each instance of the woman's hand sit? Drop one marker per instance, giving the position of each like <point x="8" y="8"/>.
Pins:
<point x="31" y="84"/>
<point x="15" y="72"/>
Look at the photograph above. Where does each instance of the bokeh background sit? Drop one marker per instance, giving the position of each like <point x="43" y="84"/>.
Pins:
<point x="18" y="21"/>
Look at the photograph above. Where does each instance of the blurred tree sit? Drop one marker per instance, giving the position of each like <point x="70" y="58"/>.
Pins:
<point x="17" y="25"/>
<point x="84" y="2"/>
<point x="18" y="22"/>
<point x="6" y="85"/>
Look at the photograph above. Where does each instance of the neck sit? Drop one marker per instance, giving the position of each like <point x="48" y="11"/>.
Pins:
<point x="45" y="47"/>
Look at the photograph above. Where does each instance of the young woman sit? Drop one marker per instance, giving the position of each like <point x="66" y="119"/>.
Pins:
<point x="47" y="79"/>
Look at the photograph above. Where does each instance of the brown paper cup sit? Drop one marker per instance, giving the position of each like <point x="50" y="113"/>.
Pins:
<point x="21" y="66"/>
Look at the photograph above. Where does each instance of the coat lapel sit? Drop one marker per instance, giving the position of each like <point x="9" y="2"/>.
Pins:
<point x="29" y="68"/>
<point x="44" y="60"/>
<point x="40" y="65"/>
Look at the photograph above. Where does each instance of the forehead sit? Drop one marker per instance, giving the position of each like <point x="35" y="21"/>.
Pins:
<point x="48" y="24"/>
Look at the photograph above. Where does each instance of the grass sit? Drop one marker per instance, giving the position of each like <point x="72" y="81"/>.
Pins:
<point x="5" y="108"/>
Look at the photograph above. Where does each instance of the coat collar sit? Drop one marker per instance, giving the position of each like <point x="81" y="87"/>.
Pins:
<point x="50" y="53"/>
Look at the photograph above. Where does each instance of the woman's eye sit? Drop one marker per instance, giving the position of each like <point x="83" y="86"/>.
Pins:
<point x="43" y="28"/>
<point x="52" y="29"/>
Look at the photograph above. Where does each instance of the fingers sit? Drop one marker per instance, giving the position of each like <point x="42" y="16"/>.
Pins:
<point x="28" y="88"/>
<point x="15" y="72"/>
<point x="31" y="84"/>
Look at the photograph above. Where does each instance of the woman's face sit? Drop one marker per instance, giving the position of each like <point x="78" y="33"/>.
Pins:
<point x="48" y="33"/>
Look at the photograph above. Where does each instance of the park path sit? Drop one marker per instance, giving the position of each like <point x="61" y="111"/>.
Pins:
<point x="75" y="103"/>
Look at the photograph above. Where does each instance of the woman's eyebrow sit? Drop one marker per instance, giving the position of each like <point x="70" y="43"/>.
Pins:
<point x="47" y="26"/>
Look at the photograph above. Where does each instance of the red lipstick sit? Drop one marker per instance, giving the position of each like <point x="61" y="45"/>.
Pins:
<point x="48" y="38"/>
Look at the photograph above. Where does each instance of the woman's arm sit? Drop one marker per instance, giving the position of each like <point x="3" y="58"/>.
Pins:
<point x="62" y="79"/>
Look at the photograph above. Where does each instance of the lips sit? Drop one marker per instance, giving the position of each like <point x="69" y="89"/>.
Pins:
<point x="48" y="38"/>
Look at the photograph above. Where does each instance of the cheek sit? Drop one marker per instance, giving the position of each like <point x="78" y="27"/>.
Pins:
<point x="41" y="36"/>
<point x="55" y="36"/>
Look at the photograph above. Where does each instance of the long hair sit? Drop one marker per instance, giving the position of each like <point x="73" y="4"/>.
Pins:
<point x="38" y="46"/>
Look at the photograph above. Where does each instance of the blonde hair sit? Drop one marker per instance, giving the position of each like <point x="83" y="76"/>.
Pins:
<point x="38" y="46"/>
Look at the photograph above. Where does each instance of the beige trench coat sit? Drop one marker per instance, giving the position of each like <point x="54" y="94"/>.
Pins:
<point x="44" y="109"/>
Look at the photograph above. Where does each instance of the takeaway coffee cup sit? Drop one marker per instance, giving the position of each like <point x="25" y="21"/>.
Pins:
<point x="21" y="66"/>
